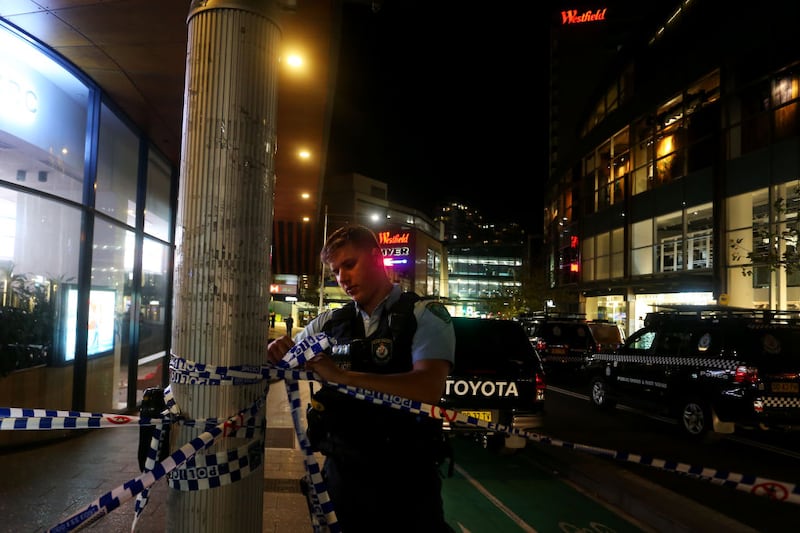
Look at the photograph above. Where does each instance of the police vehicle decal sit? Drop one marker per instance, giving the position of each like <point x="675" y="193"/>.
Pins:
<point x="648" y="382"/>
<point x="726" y="364"/>
<point x="563" y="358"/>
<point x="781" y="402"/>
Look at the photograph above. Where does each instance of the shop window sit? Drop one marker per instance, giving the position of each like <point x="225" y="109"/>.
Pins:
<point x="158" y="213"/>
<point x="117" y="168"/>
<point x="42" y="121"/>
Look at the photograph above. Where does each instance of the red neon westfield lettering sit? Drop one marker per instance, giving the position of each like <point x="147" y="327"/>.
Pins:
<point x="384" y="237"/>
<point x="572" y="17"/>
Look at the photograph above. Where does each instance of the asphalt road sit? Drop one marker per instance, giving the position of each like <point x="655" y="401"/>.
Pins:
<point x="772" y="456"/>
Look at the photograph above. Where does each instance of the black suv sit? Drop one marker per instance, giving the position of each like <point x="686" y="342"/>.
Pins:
<point x="712" y="368"/>
<point x="497" y="377"/>
<point x="564" y="342"/>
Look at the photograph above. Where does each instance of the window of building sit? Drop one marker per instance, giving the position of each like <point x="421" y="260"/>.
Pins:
<point x="602" y="257"/>
<point x="703" y="123"/>
<point x="43" y="133"/>
<point x="669" y="236"/>
<point x="642" y="247"/>
<point x="684" y="239"/>
<point x="433" y="267"/>
<point x="643" y="154"/>
<point x="587" y="259"/>
<point x="117" y="168"/>
<point x="605" y="173"/>
<point x="680" y="137"/>
<point x="620" y="165"/>
<point x="784" y="96"/>
<point x="699" y="232"/>
<point x="617" y="267"/>
<point x="158" y="210"/>
<point x="42" y="121"/>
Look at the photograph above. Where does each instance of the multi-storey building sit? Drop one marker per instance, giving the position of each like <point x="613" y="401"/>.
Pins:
<point x="679" y="182"/>
<point x="487" y="263"/>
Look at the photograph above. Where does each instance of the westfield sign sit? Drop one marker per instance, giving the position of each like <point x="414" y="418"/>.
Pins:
<point x="572" y="17"/>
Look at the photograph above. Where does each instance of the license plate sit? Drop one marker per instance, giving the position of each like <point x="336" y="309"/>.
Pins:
<point x="558" y="350"/>
<point x="486" y="416"/>
<point x="786" y="387"/>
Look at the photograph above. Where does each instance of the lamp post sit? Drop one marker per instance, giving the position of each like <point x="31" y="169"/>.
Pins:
<point x="322" y="273"/>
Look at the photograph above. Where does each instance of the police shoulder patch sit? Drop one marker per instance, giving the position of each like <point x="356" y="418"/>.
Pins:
<point x="439" y="310"/>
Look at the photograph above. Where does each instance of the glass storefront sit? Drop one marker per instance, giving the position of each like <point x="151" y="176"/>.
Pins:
<point x="85" y="254"/>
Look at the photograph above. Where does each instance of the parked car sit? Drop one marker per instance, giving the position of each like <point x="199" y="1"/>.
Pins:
<point x="712" y="368"/>
<point x="497" y="377"/>
<point x="564" y="342"/>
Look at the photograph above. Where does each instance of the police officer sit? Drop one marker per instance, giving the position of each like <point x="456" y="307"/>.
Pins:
<point x="381" y="464"/>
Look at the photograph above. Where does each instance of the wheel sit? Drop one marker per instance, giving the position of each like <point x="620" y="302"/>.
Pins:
<point x="598" y="394"/>
<point x="694" y="417"/>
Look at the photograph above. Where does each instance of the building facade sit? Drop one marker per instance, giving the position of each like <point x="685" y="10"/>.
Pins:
<point x="86" y="240"/>
<point x="682" y="183"/>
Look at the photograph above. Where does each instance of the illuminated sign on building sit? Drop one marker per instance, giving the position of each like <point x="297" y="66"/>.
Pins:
<point x="284" y="285"/>
<point x="386" y="237"/>
<point x="571" y="16"/>
<point x="396" y="247"/>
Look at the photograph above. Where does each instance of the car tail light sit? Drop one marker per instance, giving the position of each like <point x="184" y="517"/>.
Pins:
<point x="540" y="387"/>
<point x="540" y="345"/>
<point x="745" y="374"/>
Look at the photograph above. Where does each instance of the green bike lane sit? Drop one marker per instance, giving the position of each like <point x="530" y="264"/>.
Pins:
<point x="496" y="493"/>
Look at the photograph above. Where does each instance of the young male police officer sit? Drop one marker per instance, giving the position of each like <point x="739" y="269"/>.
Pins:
<point x="382" y="464"/>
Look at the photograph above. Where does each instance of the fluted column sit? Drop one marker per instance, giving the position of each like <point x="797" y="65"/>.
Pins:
<point x="223" y="237"/>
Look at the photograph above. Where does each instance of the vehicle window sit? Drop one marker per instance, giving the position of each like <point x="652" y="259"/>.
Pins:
<point x="606" y="334"/>
<point x="574" y="335"/>
<point x="641" y="340"/>
<point x="489" y="345"/>
<point x="674" y="343"/>
<point x="783" y="342"/>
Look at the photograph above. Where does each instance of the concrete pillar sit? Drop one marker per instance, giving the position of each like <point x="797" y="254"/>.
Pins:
<point x="223" y="237"/>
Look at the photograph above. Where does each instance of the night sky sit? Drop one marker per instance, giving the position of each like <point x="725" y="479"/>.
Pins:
<point x="446" y="100"/>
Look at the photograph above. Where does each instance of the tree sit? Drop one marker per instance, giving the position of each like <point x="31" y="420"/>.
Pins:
<point x="775" y="236"/>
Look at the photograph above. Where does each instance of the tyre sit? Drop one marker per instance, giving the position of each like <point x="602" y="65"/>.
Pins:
<point x="599" y="395"/>
<point x="694" y="417"/>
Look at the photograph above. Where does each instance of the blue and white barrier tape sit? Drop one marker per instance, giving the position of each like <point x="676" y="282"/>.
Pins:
<point x="121" y="494"/>
<point x="323" y="515"/>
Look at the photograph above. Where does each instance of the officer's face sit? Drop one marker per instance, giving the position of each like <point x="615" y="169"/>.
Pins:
<point x="359" y="273"/>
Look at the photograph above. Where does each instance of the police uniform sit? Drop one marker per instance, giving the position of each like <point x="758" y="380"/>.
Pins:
<point x="382" y="464"/>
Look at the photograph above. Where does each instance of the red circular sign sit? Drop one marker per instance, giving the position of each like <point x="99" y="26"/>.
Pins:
<point x="445" y="414"/>
<point x="772" y="490"/>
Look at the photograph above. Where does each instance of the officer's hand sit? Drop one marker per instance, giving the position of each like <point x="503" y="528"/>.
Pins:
<point x="326" y="368"/>
<point x="277" y="349"/>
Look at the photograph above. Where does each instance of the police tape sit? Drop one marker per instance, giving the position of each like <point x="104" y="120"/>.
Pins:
<point x="323" y="515"/>
<point x="125" y="492"/>
<point x="233" y="465"/>
<point x="760" y="486"/>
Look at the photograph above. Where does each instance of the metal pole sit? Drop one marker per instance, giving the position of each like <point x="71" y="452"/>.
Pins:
<point x="322" y="274"/>
<point x="222" y="257"/>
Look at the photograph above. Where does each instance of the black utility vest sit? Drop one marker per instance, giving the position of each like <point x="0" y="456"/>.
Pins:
<point x="361" y="426"/>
